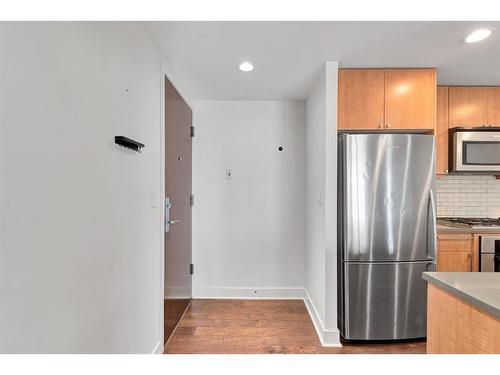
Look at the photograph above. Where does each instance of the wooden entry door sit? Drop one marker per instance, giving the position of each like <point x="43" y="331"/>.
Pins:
<point x="178" y="290"/>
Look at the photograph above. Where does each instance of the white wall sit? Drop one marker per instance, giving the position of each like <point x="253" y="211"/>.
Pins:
<point x="321" y="255"/>
<point x="316" y="181"/>
<point x="331" y="335"/>
<point x="249" y="232"/>
<point x="80" y="259"/>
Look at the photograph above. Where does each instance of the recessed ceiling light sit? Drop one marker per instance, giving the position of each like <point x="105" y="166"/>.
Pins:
<point x="478" y="35"/>
<point x="246" y="66"/>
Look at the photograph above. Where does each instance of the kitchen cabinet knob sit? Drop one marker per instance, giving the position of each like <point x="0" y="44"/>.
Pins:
<point x="381" y="126"/>
<point x="446" y="171"/>
<point x="388" y="125"/>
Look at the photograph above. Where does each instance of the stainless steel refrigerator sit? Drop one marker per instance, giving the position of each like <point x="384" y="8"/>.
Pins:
<point x="386" y="234"/>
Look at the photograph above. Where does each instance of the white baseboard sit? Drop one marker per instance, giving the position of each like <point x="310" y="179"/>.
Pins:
<point x="329" y="338"/>
<point x="248" y="293"/>
<point x="313" y="313"/>
<point x="177" y="292"/>
<point x="158" y="348"/>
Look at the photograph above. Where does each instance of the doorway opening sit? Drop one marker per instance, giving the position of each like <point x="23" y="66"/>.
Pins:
<point x="178" y="205"/>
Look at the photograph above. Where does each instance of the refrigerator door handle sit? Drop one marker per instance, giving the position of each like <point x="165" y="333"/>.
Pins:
<point x="434" y="225"/>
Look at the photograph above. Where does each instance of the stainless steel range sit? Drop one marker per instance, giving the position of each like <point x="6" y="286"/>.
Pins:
<point x="490" y="254"/>
<point x="489" y="260"/>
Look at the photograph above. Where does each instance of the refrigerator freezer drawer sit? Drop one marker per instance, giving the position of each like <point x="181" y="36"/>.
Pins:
<point x="384" y="301"/>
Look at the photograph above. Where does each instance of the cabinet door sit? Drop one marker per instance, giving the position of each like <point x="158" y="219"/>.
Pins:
<point x="410" y="99"/>
<point x="361" y="99"/>
<point x="468" y="106"/>
<point x="494" y="106"/>
<point x="454" y="261"/>
<point x="455" y="242"/>
<point x="442" y="131"/>
<point x="454" y="252"/>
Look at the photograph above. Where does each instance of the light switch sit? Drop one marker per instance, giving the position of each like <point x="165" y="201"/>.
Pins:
<point x="154" y="199"/>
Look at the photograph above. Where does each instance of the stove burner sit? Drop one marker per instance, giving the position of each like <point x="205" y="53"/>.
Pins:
<point x="472" y="221"/>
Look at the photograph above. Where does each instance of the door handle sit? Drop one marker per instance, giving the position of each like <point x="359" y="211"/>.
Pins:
<point x="174" y="221"/>
<point x="166" y="215"/>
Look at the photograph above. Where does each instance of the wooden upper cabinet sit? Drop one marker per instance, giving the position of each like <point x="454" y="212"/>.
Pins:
<point x="468" y="106"/>
<point x="494" y="106"/>
<point x="361" y="99"/>
<point x="410" y="98"/>
<point x="442" y="131"/>
<point x="399" y="99"/>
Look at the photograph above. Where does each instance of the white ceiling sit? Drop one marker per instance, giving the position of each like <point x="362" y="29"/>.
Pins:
<point x="287" y="55"/>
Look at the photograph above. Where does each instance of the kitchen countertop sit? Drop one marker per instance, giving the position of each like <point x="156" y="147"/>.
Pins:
<point x="480" y="289"/>
<point x="441" y="228"/>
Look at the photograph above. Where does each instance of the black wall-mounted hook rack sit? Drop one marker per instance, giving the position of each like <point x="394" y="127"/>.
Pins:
<point x="128" y="143"/>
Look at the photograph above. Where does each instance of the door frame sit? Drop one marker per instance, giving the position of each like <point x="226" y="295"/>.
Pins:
<point x="165" y="73"/>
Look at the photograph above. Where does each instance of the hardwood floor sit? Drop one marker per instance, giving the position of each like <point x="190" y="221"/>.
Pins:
<point x="261" y="326"/>
<point x="172" y="312"/>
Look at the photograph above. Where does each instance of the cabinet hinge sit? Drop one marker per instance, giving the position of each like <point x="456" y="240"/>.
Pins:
<point x="191" y="200"/>
<point x="191" y="269"/>
<point x="192" y="131"/>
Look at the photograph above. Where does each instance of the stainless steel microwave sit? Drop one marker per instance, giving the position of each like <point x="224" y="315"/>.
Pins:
<point x="475" y="150"/>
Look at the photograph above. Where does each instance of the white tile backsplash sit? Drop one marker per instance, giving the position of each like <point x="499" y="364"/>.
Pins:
<point x="468" y="196"/>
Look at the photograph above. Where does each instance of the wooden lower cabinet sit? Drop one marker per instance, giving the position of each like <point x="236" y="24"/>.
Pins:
<point x="456" y="327"/>
<point x="455" y="252"/>
<point x="454" y="261"/>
